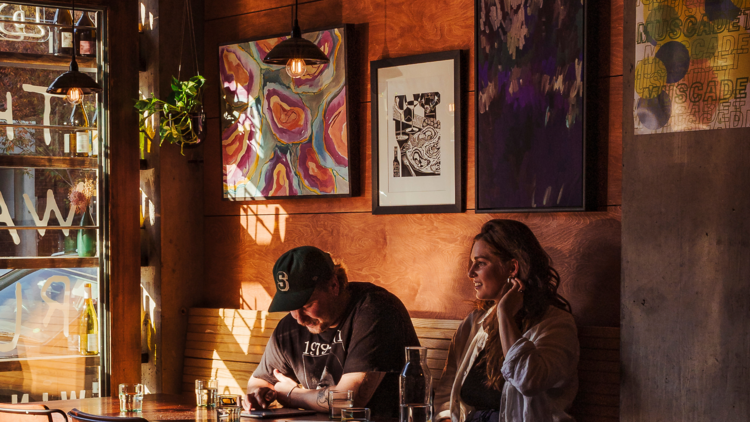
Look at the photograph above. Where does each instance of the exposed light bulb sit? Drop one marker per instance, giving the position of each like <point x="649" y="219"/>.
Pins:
<point x="296" y="68"/>
<point x="74" y="96"/>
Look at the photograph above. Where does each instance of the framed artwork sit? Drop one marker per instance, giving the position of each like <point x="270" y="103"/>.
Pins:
<point x="530" y="109"/>
<point x="694" y="75"/>
<point x="416" y="134"/>
<point x="283" y="137"/>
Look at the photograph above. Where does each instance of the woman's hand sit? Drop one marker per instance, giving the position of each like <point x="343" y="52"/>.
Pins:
<point x="507" y="308"/>
<point x="512" y="301"/>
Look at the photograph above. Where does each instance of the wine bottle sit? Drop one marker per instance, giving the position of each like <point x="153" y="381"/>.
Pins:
<point x="94" y="135"/>
<point x="63" y="35"/>
<point x="88" y="328"/>
<point x="79" y="119"/>
<point x="396" y="164"/>
<point x="86" y="37"/>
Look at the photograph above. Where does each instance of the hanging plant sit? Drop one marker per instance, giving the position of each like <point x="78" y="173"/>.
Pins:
<point x="182" y="117"/>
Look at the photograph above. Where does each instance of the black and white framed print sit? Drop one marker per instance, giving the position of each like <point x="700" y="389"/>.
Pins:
<point x="416" y="134"/>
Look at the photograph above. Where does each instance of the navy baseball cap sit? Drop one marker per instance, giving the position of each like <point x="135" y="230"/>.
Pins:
<point x="297" y="273"/>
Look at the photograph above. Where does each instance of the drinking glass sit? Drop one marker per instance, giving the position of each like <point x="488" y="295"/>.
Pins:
<point x="205" y="392"/>
<point x="131" y="397"/>
<point x="355" y="414"/>
<point x="229" y="407"/>
<point x="337" y="400"/>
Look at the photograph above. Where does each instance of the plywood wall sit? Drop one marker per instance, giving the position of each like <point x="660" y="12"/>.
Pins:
<point x="421" y="258"/>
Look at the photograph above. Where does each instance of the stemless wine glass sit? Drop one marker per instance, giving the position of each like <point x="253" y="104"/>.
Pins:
<point x="131" y="397"/>
<point x="338" y="400"/>
<point x="205" y="392"/>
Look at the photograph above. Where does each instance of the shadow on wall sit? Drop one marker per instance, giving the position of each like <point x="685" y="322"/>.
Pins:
<point x="589" y="265"/>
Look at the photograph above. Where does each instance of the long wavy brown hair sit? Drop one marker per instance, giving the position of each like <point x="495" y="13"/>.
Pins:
<point x="510" y="239"/>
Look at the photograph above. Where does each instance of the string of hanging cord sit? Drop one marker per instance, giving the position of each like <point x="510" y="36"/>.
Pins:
<point x="187" y="15"/>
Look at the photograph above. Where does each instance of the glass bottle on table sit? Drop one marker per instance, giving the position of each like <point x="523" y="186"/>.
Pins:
<point x="80" y="121"/>
<point x="415" y="387"/>
<point x="62" y="36"/>
<point x="85" y="36"/>
<point x="88" y="326"/>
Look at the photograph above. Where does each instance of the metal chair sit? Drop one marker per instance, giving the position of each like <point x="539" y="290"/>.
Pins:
<point x="77" y="415"/>
<point x="27" y="412"/>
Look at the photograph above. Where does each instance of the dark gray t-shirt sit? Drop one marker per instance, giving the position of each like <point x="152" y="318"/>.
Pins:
<point x="370" y="337"/>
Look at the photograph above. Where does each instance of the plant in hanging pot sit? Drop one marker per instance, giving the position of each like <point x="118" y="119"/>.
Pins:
<point x="80" y="198"/>
<point x="183" y="120"/>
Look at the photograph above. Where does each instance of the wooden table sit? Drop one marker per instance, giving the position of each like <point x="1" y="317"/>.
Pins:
<point x="160" y="407"/>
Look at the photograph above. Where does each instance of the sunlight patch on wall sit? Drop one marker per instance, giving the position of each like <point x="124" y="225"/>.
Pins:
<point x="263" y="221"/>
<point x="255" y="296"/>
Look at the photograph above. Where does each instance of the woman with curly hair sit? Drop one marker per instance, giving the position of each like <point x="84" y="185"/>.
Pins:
<point x="515" y="358"/>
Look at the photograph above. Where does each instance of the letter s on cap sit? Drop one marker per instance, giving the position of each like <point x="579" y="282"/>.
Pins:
<point x="281" y="281"/>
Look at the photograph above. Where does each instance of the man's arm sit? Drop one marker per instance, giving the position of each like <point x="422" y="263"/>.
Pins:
<point x="260" y="393"/>
<point x="363" y="384"/>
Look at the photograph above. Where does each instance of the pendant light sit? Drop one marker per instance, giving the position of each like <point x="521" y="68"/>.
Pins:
<point x="74" y="84"/>
<point x="295" y="52"/>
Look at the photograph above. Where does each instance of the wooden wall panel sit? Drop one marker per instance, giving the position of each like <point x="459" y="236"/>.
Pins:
<point x="396" y="29"/>
<point x="420" y="258"/>
<point x="614" y="143"/>
<point x="123" y="247"/>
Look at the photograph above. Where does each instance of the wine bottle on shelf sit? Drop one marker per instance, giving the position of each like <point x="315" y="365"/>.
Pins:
<point x="79" y="120"/>
<point x="86" y="37"/>
<point x="94" y="134"/>
<point x="63" y="35"/>
<point x="88" y="328"/>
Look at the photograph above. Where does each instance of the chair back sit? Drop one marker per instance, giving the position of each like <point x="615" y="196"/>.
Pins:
<point x="30" y="412"/>
<point x="77" y="415"/>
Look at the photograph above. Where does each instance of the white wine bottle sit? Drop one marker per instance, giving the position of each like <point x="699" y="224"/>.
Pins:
<point x="88" y="326"/>
<point x="79" y="119"/>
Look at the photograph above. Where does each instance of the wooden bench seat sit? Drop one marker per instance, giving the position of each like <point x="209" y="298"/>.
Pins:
<point x="227" y="344"/>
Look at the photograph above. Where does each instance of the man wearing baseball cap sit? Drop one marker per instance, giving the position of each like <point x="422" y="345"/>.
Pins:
<point x="338" y="336"/>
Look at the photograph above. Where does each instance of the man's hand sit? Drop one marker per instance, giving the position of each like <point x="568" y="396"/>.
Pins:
<point x="259" y="398"/>
<point x="284" y="386"/>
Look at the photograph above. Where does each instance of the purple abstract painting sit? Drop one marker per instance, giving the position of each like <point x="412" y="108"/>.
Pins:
<point x="530" y="111"/>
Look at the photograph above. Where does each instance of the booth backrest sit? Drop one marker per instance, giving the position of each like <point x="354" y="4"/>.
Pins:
<point x="228" y="343"/>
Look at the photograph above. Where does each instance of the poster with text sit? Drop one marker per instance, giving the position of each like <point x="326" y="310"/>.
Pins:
<point x="692" y="65"/>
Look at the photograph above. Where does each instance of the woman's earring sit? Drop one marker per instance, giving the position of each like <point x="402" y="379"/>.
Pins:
<point x="509" y="278"/>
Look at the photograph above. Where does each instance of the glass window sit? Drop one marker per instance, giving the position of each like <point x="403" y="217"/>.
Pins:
<point x="50" y="182"/>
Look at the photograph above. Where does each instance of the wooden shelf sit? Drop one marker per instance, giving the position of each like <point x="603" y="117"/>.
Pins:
<point x="47" y="262"/>
<point x="85" y="64"/>
<point x="26" y="161"/>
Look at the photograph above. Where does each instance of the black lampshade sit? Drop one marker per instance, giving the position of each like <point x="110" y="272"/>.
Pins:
<point x="295" y="47"/>
<point x="74" y="79"/>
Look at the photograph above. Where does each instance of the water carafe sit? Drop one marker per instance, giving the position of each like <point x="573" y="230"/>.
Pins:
<point x="415" y="387"/>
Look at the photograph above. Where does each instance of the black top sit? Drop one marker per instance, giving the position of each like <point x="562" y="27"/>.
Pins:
<point x="475" y="391"/>
<point x="371" y="337"/>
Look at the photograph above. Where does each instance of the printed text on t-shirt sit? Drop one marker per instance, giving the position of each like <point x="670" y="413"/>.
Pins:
<point x="321" y="349"/>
